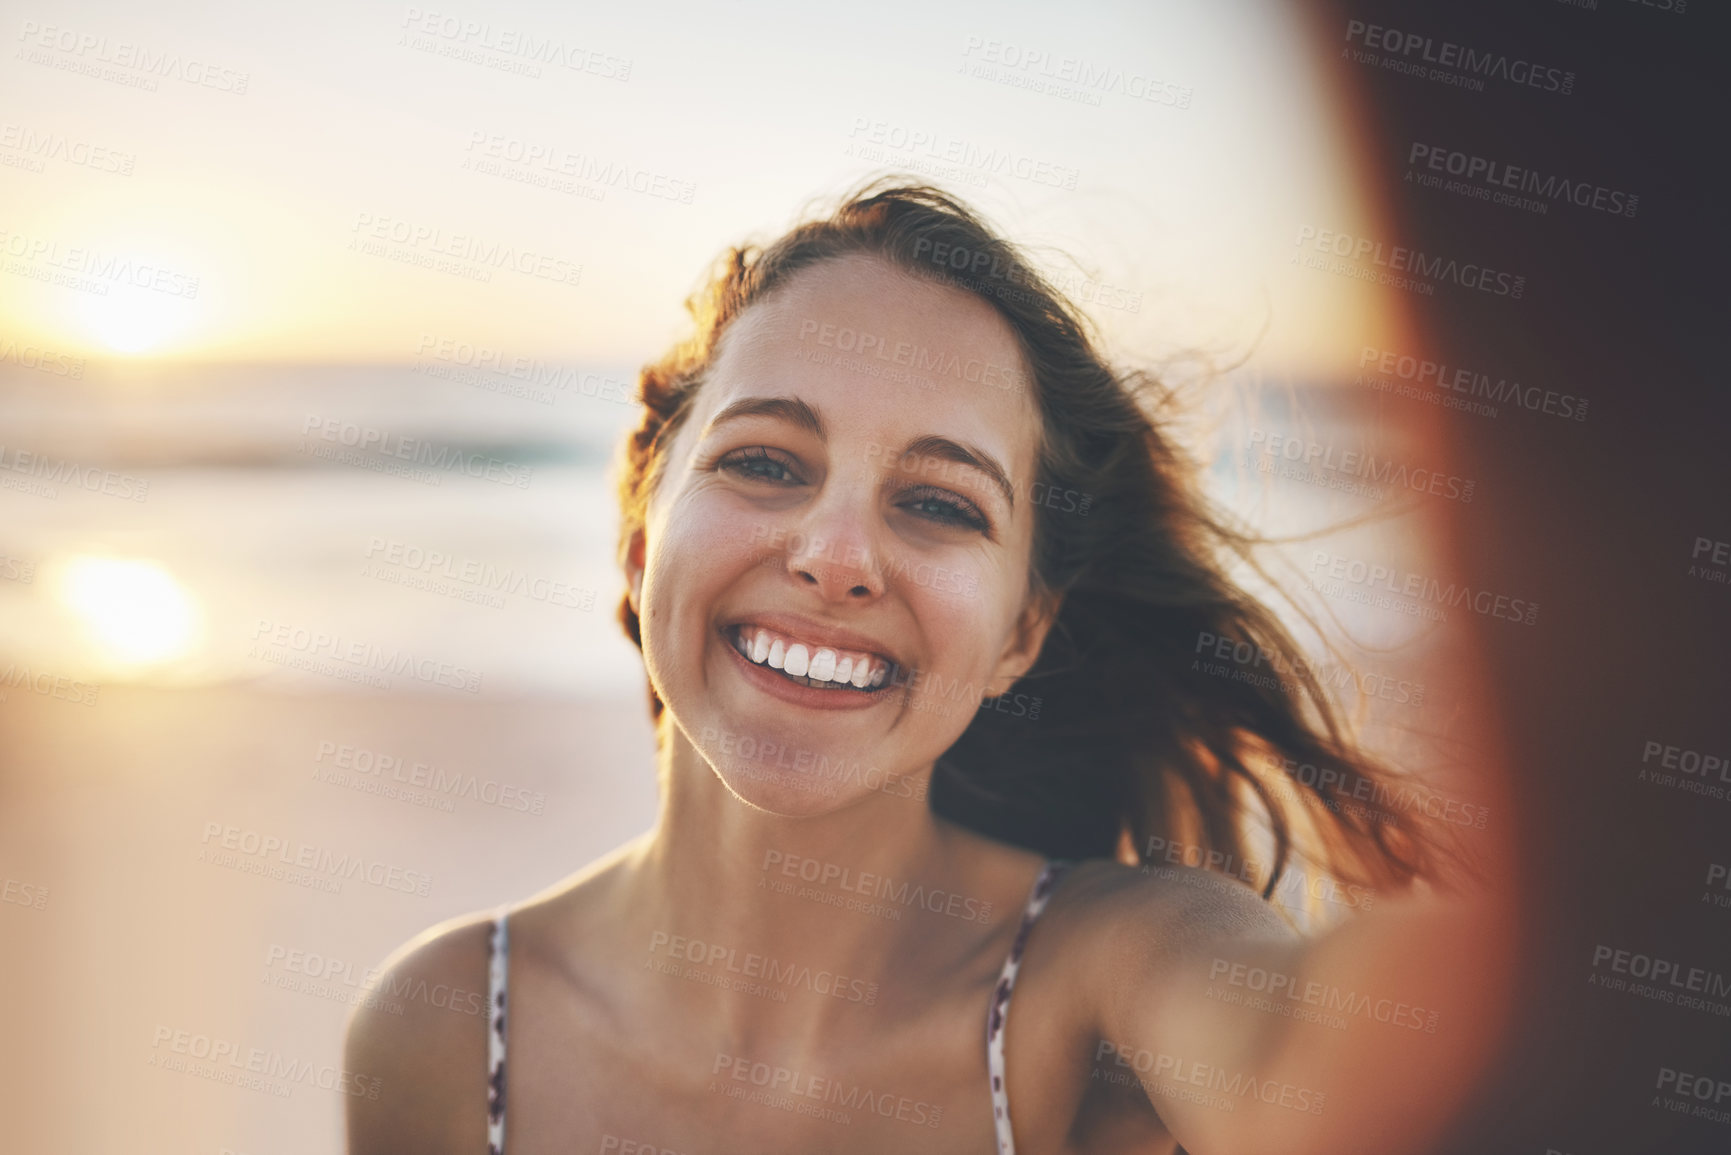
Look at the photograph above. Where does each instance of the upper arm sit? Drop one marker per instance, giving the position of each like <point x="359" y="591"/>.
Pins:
<point x="423" y="1036"/>
<point x="1171" y="1015"/>
<point x="1248" y="1036"/>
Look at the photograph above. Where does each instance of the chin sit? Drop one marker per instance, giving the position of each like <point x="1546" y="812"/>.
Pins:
<point x="779" y="770"/>
<point x="784" y="790"/>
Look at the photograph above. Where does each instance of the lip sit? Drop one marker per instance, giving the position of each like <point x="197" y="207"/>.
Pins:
<point x="817" y="634"/>
<point x="772" y="683"/>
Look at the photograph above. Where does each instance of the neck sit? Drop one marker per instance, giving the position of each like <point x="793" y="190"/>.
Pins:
<point x="877" y="891"/>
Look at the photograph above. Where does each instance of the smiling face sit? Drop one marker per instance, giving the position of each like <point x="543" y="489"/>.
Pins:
<point x="834" y="566"/>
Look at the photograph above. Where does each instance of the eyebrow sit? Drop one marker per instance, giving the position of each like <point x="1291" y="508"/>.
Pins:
<point x="789" y="409"/>
<point x="944" y="449"/>
<point x="797" y="412"/>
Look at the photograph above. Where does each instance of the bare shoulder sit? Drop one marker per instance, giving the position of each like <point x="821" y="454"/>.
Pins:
<point x="1126" y="925"/>
<point x="423" y="1039"/>
<point x="1172" y="903"/>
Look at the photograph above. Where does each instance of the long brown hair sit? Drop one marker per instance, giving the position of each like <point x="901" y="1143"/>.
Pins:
<point x="1134" y="740"/>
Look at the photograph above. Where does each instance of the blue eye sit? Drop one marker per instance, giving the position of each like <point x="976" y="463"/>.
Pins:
<point x="943" y="507"/>
<point x="757" y="464"/>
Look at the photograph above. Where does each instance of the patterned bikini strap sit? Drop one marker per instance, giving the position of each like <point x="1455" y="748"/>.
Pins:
<point x="1044" y="885"/>
<point x="499" y="947"/>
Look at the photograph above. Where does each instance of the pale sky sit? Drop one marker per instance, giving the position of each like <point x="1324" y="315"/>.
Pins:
<point x="1185" y="184"/>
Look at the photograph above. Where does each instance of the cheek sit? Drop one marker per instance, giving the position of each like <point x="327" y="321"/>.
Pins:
<point x="696" y="550"/>
<point x="963" y="633"/>
<point x="966" y="598"/>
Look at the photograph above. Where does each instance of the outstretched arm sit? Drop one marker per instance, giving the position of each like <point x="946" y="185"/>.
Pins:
<point x="1248" y="1037"/>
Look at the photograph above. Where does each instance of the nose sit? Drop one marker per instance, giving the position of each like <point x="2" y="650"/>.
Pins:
<point x="832" y="552"/>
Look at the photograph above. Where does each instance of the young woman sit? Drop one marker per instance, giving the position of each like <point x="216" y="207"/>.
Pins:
<point x="920" y="591"/>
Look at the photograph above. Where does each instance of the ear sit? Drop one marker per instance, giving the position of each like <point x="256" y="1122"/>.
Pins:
<point x="634" y="550"/>
<point x="1026" y="640"/>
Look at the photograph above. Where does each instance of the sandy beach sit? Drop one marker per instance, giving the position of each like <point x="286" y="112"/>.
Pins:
<point x="150" y="918"/>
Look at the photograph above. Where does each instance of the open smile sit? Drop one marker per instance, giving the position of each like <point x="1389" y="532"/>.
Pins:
<point x="810" y="663"/>
<point x="804" y="653"/>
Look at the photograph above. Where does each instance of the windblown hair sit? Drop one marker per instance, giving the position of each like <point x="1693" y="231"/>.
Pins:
<point x="1134" y="740"/>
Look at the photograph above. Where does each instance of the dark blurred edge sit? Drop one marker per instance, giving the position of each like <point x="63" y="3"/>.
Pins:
<point x="1596" y="520"/>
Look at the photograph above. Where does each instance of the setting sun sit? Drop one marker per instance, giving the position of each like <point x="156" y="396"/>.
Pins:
<point x="133" y="321"/>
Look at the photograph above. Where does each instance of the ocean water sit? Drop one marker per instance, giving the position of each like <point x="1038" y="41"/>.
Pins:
<point x="365" y="528"/>
<point x="426" y="528"/>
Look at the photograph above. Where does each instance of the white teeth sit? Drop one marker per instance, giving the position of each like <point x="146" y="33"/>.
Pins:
<point x="819" y="663"/>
